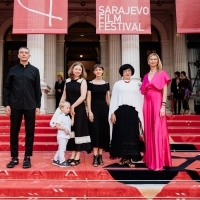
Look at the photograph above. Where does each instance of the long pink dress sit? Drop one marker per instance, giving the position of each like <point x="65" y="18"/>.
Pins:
<point x="157" y="153"/>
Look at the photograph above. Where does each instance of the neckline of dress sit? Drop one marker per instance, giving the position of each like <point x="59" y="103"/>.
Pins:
<point x="127" y="81"/>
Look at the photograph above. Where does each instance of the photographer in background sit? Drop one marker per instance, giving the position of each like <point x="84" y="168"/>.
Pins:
<point x="185" y="89"/>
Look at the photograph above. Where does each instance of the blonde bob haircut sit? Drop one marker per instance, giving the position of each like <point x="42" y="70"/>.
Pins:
<point x="70" y="71"/>
<point x="159" y="66"/>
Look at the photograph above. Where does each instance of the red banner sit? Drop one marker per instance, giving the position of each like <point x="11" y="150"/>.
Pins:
<point x="188" y="15"/>
<point x="40" y="16"/>
<point x="123" y="17"/>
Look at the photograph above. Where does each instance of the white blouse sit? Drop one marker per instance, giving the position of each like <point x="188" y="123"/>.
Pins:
<point x="126" y="94"/>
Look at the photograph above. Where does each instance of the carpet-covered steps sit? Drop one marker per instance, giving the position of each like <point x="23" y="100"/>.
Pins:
<point x="45" y="136"/>
<point x="184" y="132"/>
<point x="110" y="181"/>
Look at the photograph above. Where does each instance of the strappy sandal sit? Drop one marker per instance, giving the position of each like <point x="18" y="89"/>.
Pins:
<point x="70" y="160"/>
<point x="75" y="162"/>
<point x="130" y="164"/>
<point x="123" y="161"/>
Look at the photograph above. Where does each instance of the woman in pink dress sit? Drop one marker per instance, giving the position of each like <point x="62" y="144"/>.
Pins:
<point x="154" y="88"/>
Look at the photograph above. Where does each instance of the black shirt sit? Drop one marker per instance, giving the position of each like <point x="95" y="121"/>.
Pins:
<point x="22" y="89"/>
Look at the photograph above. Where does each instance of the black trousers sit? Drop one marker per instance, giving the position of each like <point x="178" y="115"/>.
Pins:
<point x="15" y="124"/>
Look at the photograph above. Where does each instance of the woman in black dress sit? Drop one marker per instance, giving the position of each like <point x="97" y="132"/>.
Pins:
<point x="125" y="111"/>
<point x="75" y="93"/>
<point x="98" y="99"/>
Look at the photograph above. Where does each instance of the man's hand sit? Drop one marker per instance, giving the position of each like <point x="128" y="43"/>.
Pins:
<point x="7" y="110"/>
<point x="37" y="111"/>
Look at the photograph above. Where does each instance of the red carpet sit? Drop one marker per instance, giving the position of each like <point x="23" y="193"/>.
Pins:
<point x="46" y="181"/>
<point x="111" y="180"/>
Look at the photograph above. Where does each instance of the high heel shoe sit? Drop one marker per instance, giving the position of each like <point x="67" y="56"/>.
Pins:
<point x="95" y="161"/>
<point x="100" y="160"/>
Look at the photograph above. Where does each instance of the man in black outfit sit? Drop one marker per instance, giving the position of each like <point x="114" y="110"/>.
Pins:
<point x="59" y="87"/>
<point x="22" y="97"/>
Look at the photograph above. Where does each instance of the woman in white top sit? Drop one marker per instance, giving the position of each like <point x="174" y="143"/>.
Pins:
<point x="124" y="113"/>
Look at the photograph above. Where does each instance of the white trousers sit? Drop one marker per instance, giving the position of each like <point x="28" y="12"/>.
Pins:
<point x="62" y="144"/>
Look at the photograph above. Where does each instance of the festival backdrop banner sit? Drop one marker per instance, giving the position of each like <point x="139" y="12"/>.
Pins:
<point x="123" y="17"/>
<point x="40" y="16"/>
<point x="188" y="15"/>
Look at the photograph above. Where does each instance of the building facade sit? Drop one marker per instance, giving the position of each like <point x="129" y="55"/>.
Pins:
<point x="54" y="53"/>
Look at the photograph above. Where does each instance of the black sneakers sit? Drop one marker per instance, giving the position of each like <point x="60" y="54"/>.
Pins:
<point x="13" y="162"/>
<point x="26" y="163"/>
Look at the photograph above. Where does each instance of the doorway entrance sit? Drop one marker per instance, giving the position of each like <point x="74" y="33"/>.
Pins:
<point x="12" y="44"/>
<point x="82" y="44"/>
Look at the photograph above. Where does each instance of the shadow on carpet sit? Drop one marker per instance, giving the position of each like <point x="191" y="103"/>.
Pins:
<point x="141" y="175"/>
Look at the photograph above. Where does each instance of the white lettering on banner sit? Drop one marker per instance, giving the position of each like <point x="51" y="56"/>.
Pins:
<point x="120" y="26"/>
<point x="49" y="15"/>
<point x="111" y="18"/>
<point x="131" y="10"/>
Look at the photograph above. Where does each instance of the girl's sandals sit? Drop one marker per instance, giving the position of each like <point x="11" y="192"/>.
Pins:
<point x="123" y="161"/>
<point x="75" y="162"/>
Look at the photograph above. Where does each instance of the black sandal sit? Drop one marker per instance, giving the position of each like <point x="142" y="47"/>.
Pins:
<point x="70" y="160"/>
<point x="75" y="162"/>
<point x="130" y="164"/>
<point x="123" y="161"/>
<point x="95" y="161"/>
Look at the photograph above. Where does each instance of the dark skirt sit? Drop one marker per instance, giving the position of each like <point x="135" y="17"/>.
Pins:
<point x="125" y="141"/>
<point x="81" y="141"/>
<point x="99" y="129"/>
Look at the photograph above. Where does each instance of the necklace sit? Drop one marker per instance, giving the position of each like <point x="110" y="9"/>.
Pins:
<point x="152" y="72"/>
<point x="126" y="81"/>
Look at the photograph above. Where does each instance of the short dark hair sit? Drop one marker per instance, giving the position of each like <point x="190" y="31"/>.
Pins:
<point x="177" y="73"/>
<point x="98" y="66"/>
<point x="183" y="72"/>
<point x="124" y="67"/>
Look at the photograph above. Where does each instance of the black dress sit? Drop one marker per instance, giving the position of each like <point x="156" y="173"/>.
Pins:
<point x="59" y="85"/>
<point x="99" y="128"/>
<point x="80" y="141"/>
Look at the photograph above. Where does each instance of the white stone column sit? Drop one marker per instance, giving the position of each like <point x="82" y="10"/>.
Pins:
<point x="131" y="53"/>
<point x="114" y="59"/>
<point x="180" y="53"/>
<point x="104" y="56"/>
<point x="50" y="69"/>
<point x="166" y="58"/>
<point x="1" y="70"/>
<point x="60" y="55"/>
<point x="35" y="42"/>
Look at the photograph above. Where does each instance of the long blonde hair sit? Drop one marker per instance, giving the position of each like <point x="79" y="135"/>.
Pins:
<point x="159" y="66"/>
<point x="70" y="71"/>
